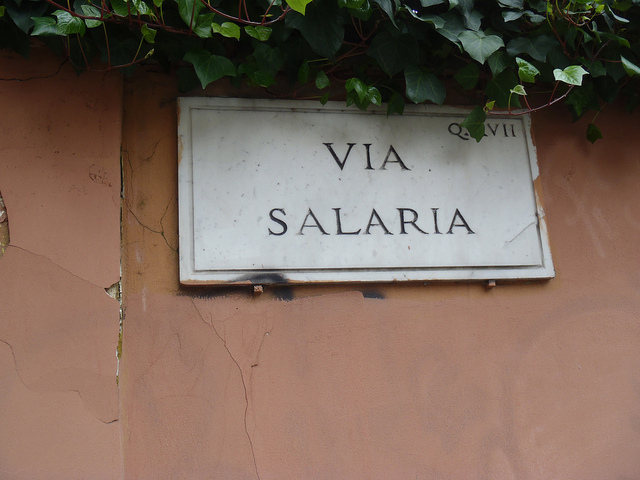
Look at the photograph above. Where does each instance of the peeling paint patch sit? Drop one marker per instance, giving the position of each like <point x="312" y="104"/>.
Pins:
<point x="4" y="227"/>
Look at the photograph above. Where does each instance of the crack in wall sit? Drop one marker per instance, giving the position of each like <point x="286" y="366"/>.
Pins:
<point x="4" y="227"/>
<point x="39" y="77"/>
<point x="244" y="385"/>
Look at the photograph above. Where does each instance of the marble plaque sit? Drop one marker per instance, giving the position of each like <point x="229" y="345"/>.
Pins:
<point x="283" y="191"/>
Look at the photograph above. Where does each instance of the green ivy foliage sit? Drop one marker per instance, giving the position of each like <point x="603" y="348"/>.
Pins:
<point x="513" y="55"/>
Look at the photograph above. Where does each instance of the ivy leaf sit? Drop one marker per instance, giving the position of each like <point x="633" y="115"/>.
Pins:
<point x="2" y="10"/>
<point x="298" y="5"/>
<point x="497" y="62"/>
<point x="68" y="24"/>
<point x="593" y="133"/>
<point x="434" y="20"/>
<point x="422" y="86"/>
<point x="357" y="85"/>
<point x="499" y="89"/>
<point x="468" y="76"/>
<point x="322" y="28"/>
<point x="571" y="75"/>
<point x="538" y="48"/>
<point x="227" y="29"/>
<point x="188" y="9"/>
<point x="91" y="11"/>
<point x="22" y="13"/>
<point x="44" y="26"/>
<point x="480" y="46"/>
<point x="453" y="27"/>
<point x="322" y="81"/>
<point x="526" y="71"/>
<point x="203" y="25"/>
<point x="209" y="68"/>
<point x="631" y="68"/>
<point x="396" y="104"/>
<point x="149" y="34"/>
<point x="387" y="7"/>
<point x="260" y="33"/>
<point x="303" y="73"/>
<point x="393" y="53"/>
<point x="518" y="90"/>
<point x="373" y="96"/>
<point x="510" y="16"/>
<point x="324" y="99"/>
<point x="474" y="123"/>
<point x="517" y="4"/>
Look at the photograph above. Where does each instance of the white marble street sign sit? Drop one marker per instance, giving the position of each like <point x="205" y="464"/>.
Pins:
<point x="282" y="191"/>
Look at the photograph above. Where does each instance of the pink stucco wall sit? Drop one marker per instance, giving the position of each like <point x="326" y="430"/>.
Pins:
<point x="60" y="180"/>
<point x="441" y="381"/>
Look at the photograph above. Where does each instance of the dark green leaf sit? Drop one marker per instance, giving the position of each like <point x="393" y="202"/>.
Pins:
<point x="423" y="86"/>
<point x="393" y="53"/>
<point x="593" y="133"/>
<point x="468" y="76"/>
<point x="21" y="13"/>
<point x="517" y="4"/>
<point x="474" y="123"/>
<point x="431" y="3"/>
<point x="321" y="27"/>
<point x="396" y="104"/>
<point x="538" y="48"/>
<point x="202" y="25"/>
<point x="324" y="99"/>
<point x="480" y="46"/>
<point x="498" y="61"/>
<point x="434" y="20"/>
<point x="499" y="89"/>
<point x="510" y="16"/>
<point x="452" y="28"/>
<point x="388" y="7"/>
<point x="209" y="68"/>
<point x="373" y="96"/>
<point x="188" y="9"/>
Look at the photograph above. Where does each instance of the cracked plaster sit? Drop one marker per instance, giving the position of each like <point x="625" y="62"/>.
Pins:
<point x="59" y="177"/>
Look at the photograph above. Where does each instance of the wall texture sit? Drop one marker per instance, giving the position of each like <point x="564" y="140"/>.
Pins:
<point x="444" y="381"/>
<point x="60" y="180"/>
<point x="440" y="381"/>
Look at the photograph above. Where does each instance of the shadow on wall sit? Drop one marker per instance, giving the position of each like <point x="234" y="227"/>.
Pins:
<point x="4" y="227"/>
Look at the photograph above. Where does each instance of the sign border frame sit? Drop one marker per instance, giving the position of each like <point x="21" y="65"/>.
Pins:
<point x="190" y="276"/>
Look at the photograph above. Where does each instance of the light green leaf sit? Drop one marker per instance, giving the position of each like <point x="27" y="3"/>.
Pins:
<point x="44" y="26"/>
<point x="631" y="68"/>
<point x="373" y="96"/>
<point x="299" y="6"/>
<point x="474" y="123"/>
<point x="526" y="71"/>
<point x="355" y="84"/>
<point x="422" y="86"/>
<point x="149" y="34"/>
<point x="518" y="90"/>
<point x="91" y="11"/>
<point x="480" y="46"/>
<point x="571" y="75"/>
<point x="68" y="24"/>
<point x="227" y="29"/>
<point x="209" y="68"/>
<point x="2" y="10"/>
<point x="322" y="81"/>
<point x="259" y="33"/>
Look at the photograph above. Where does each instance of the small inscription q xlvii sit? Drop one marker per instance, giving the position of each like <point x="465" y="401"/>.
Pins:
<point x="296" y="192"/>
